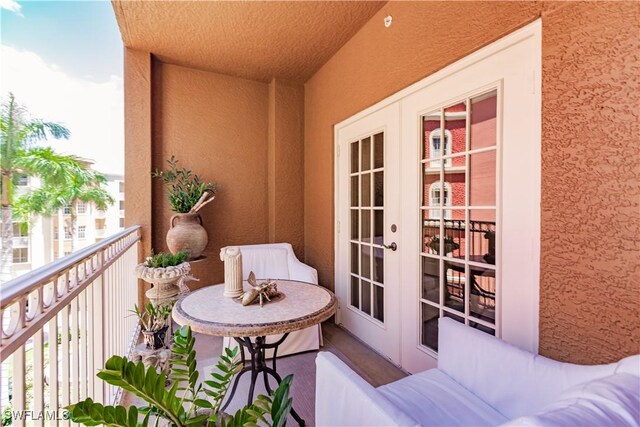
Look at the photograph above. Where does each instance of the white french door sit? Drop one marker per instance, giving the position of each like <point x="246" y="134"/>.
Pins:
<point x="461" y="187"/>
<point x="367" y="184"/>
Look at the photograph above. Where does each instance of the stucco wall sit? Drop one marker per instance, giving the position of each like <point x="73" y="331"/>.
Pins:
<point x="217" y="126"/>
<point x="590" y="296"/>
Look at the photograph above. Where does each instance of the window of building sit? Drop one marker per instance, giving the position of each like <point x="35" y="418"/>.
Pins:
<point x="121" y="184"/>
<point x="121" y="222"/>
<point x="20" y="229"/>
<point x="438" y="147"/>
<point x="20" y="255"/>
<point x="22" y="180"/>
<point x="67" y="209"/>
<point x="82" y="232"/>
<point x="439" y="196"/>
<point x="67" y="233"/>
<point x="121" y="205"/>
<point x="82" y="207"/>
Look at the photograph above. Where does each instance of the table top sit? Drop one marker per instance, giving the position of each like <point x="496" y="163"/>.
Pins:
<point x="300" y="305"/>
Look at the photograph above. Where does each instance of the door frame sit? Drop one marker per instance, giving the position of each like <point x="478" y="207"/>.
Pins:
<point x="533" y="33"/>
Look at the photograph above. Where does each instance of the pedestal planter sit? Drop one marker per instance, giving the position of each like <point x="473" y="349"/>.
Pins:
<point x="165" y="281"/>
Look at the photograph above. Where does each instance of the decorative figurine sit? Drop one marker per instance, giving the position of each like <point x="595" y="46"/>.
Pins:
<point x="267" y="290"/>
<point x="232" y="271"/>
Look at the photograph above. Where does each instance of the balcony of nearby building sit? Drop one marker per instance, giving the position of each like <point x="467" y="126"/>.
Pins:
<point x="479" y="171"/>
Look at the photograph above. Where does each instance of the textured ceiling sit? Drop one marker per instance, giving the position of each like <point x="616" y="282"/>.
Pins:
<point x="254" y="40"/>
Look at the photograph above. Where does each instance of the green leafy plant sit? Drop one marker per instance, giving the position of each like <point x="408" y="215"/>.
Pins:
<point x="187" y="192"/>
<point x="449" y="244"/>
<point x="163" y="259"/>
<point x="186" y="401"/>
<point x="153" y="318"/>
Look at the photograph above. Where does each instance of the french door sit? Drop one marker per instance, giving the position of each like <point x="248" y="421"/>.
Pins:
<point x="443" y="219"/>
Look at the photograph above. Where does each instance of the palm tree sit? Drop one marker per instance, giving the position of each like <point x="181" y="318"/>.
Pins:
<point x="19" y="155"/>
<point x="82" y="185"/>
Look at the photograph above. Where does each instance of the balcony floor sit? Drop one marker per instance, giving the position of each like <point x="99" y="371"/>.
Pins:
<point x="367" y="363"/>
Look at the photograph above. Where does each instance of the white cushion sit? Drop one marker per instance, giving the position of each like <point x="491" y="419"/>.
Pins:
<point x="432" y="398"/>
<point x="265" y="262"/>
<point x="610" y="401"/>
<point x="513" y="381"/>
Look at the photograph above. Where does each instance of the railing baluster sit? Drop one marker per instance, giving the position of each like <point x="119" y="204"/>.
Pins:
<point x="53" y="364"/>
<point x="98" y="337"/>
<point x="66" y="357"/>
<point x="38" y="374"/>
<point x="75" y="365"/>
<point x="18" y="398"/>
<point x="90" y="359"/>
<point x="82" y="350"/>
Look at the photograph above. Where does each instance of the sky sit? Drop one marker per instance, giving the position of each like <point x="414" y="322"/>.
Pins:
<point x="63" y="61"/>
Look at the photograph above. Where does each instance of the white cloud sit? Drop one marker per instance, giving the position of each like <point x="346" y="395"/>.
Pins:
<point x="11" y="5"/>
<point x="93" y="112"/>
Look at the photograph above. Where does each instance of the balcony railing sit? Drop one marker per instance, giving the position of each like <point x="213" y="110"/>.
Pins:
<point x="62" y="321"/>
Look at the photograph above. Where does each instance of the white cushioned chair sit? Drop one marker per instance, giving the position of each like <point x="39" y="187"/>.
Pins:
<point x="278" y="261"/>
<point x="482" y="381"/>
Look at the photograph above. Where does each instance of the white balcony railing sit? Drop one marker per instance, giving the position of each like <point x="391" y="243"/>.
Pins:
<point x="62" y="321"/>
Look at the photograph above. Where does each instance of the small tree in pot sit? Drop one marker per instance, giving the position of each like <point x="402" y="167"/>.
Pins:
<point x="188" y="193"/>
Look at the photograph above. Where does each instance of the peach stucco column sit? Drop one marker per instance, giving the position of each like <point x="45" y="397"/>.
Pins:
<point x="286" y="164"/>
<point x="137" y="163"/>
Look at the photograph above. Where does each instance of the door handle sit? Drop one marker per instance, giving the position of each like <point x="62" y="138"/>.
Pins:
<point x="392" y="246"/>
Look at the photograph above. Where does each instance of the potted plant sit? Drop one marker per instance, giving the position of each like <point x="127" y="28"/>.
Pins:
<point x="154" y="321"/>
<point x="188" y="193"/>
<point x="163" y="270"/>
<point x="187" y="401"/>
<point x="449" y="245"/>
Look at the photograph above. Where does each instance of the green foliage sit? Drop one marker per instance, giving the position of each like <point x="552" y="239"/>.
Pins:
<point x="153" y="318"/>
<point x="183" y="187"/>
<point x="7" y="416"/>
<point x="186" y="401"/>
<point x="163" y="259"/>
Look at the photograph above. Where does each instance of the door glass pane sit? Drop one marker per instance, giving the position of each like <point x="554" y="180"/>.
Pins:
<point x="366" y="154"/>
<point x="432" y="138"/>
<point x="455" y="124"/>
<point x="366" y="189"/>
<point x="482" y="179"/>
<point x="378" y="150"/>
<point x="431" y="233"/>
<point x="365" y="261"/>
<point x="431" y="279"/>
<point x="378" y="227"/>
<point x="483" y="120"/>
<point x="378" y="265"/>
<point x="355" y="292"/>
<point x="365" y="231"/>
<point x="366" y="296"/>
<point x="354" y="191"/>
<point x="453" y="316"/>
<point x="482" y="236"/>
<point x="430" y="315"/>
<point x="482" y="328"/>
<point x="432" y="188"/>
<point x="355" y="224"/>
<point x="378" y="189"/>
<point x="454" y="188"/>
<point x="454" y="287"/>
<point x="482" y="294"/>
<point x="454" y="234"/>
<point x="354" y="259"/>
<point x="355" y="156"/>
<point x="378" y="303"/>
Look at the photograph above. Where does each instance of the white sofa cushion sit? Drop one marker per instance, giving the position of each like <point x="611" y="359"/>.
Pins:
<point x="610" y="401"/>
<point x="513" y="381"/>
<point x="343" y="398"/>
<point x="432" y="398"/>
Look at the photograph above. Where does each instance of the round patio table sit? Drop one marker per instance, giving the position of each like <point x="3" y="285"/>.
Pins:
<point x="299" y="306"/>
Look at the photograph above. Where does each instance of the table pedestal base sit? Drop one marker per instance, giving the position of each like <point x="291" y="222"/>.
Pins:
<point x="258" y="365"/>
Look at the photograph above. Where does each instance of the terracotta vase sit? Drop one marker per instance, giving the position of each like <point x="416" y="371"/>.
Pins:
<point x="188" y="234"/>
